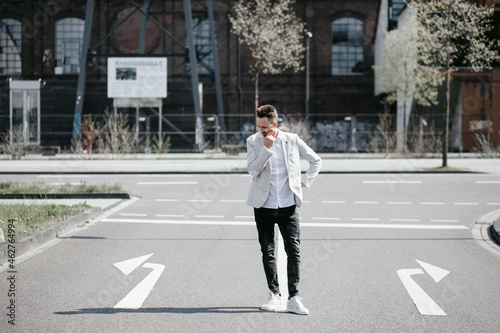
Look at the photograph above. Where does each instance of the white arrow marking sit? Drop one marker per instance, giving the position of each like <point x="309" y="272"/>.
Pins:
<point x="435" y="272"/>
<point x="425" y="304"/>
<point x="127" y="266"/>
<point x="136" y="296"/>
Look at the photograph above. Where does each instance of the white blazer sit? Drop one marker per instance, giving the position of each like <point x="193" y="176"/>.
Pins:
<point x="259" y="167"/>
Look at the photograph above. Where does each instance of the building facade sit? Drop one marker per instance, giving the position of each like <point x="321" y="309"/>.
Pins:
<point x="40" y="54"/>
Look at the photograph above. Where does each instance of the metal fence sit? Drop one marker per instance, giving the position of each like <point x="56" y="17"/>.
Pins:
<point x="323" y="132"/>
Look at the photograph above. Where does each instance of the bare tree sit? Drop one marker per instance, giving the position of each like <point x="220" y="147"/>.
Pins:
<point x="453" y="33"/>
<point x="273" y="34"/>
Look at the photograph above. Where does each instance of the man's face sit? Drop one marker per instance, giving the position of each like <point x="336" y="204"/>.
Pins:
<point x="266" y="126"/>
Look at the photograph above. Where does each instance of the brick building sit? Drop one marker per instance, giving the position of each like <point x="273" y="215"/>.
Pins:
<point x="41" y="41"/>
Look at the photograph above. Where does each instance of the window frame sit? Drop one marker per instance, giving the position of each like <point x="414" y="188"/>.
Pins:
<point x="351" y="41"/>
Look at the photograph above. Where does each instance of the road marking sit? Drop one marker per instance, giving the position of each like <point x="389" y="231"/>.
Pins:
<point x="493" y="203"/>
<point x="488" y="182"/>
<point x="399" y="203"/>
<point x="168" y="215"/>
<point x="333" y="202"/>
<point x="199" y="200"/>
<point x="167" y="200"/>
<point x="131" y="214"/>
<point x="233" y="201"/>
<point x="167" y="183"/>
<point x="405" y="220"/>
<point x="366" y="202"/>
<point x="162" y="175"/>
<point x="305" y="224"/>
<point x="465" y="203"/>
<point x="451" y="221"/>
<point x="136" y="297"/>
<point x="392" y="182"/>
<point x="282" y="269"/>
<point x="62" y="176"/>
<point x="432" y="203"/>
<point x="129" y="265"/>
<point x="424" y="303"/>
<point x="210" y="216"/>
<point x="364" y="219"/>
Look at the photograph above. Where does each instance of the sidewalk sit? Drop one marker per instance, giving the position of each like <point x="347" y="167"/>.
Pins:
<point x="222" y="163"/>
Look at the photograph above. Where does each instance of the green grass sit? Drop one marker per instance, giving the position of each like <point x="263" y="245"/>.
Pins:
<point x="43" y="188"/>
<point x="30" y="218"/>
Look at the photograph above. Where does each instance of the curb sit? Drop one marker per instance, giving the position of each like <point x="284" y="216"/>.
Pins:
<point x="42" y="237"/>
<point x="494" y="232"/>
<point x="64" y="196"/>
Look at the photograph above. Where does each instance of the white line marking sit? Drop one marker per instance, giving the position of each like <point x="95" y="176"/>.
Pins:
<point x="162" y="175"/>
<point x="310" y="224"/>
<point x="364" y="219"/>
<point x="399" y="203"/>
<point x="326" y="218"/>
<point x="168" y="215"/>
<point x="131" y="214"/>
<point x="210" y="216"/>
<point x="167" y="200"/>
<point x="129" y="265"/>
<point x="392" y="182"/>
<point x="405" y="220"/>
<point x="437" y="273"/>
<point x="366" y="202"/>
<point x="432" y="203"/>
<point x="465" y="203"/>
<point x="449" y="221"/>
<point x="199" y="200"/>
<point x="493" y="203"/>
<point x="282" y="267"/>
<point x="167" y="183"/>
<point x="488" y="182"/>
<point x="424" y="303"/>
<point x="138" y="295"/>
<point x="333" y="202"/>
<point x="233" y="201"/>
<point x="62" y="176"/>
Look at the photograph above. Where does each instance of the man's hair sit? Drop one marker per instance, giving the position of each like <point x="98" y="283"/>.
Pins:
<point x="269" y="112"/>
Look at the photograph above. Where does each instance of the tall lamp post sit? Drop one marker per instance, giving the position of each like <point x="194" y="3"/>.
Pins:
<point x="308" y="37"/>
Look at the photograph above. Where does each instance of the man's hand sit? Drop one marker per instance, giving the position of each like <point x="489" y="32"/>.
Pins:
<point x="270" y="137"/>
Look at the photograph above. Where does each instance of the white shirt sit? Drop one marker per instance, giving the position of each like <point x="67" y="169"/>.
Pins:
<point x="280" y="194"/>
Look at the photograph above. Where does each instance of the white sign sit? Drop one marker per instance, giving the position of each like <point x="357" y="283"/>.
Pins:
<point x="137" y="77"/>
<point x="425" y="304"/>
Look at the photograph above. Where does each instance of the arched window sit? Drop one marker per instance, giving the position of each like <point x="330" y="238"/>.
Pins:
<point x="10" y="46"/>
<point x="347" y="46"/>
<point x="68" y="37"/>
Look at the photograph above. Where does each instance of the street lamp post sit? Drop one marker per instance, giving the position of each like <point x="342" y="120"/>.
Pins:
<point x="308" y="37"/>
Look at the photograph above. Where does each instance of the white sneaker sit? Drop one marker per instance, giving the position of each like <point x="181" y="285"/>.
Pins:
<point x="295" y="305"/>
<point x="273" y="303"/>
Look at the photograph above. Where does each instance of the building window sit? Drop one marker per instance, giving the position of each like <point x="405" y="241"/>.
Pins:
<point x="69" y="36"/>
<point x="347" y="46"/>
<point x="10" y="46"/>
<point x="204" y="52"/>
<point x="395" y="7"/>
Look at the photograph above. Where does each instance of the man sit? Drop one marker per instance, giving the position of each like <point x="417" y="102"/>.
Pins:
<point x="276" y="193"/>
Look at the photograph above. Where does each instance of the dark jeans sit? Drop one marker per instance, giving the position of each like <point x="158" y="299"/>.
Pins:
<point x="288" y="223"/>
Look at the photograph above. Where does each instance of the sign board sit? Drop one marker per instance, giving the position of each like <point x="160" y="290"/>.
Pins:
<point x="137" y="77"/>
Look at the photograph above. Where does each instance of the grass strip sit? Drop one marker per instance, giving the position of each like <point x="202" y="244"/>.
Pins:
<point x="11" y="187"/>
<point x="30" y="218"/>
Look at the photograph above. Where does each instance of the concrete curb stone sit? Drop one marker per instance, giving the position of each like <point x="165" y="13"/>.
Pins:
<point x="36" y="240"/>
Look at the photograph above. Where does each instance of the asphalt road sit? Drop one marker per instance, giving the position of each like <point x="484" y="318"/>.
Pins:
<point x="380" y="253"/>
